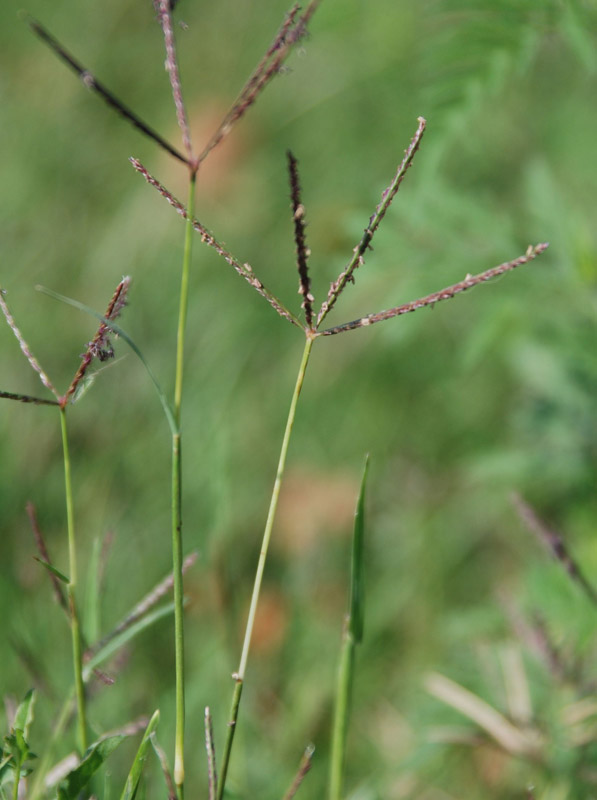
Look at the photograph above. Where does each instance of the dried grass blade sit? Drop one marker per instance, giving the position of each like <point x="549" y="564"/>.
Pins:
<point x="163" y="759"/>
<point x="508" y="736"/>
<point x="92" y="83"/>
<point x="304" y="767"/>
<point x="290" y="33"/>
<point x="302" y="252"/>
<point x="244" y="270"/>
<point x="347" y="275"/>
<point x="165" y="18"/>
<point x="556" y="545"/>
<point x="26" y="351"/>
<point x="444" y="294"/>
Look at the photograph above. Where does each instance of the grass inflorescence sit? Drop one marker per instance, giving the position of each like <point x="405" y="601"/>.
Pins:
<point x="87" y="656"/>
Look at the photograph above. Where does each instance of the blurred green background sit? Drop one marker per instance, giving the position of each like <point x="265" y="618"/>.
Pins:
<point x="491" y="393"/>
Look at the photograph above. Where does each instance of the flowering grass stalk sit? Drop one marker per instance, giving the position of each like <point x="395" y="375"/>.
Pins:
<point x="312" y="332"/>
<point x="98" y="348"/>
<point x="291" y="31"/>
<point x="311" y="323"/>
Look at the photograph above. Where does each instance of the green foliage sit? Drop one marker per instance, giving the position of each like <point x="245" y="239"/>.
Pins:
<point x="15" y="751"/>
<point x="93" y="758"/>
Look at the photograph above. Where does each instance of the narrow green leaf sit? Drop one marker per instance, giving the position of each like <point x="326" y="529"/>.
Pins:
<point x="92" y="598"/>
<point x="60" y="575"/>
<point x="119" y="332"/>
<point x="119" y="641"/>
<point x="24" y="715"/>
<point x="357" y="595"/>
<point x="353" y="634"/>
<point x="132" y="781"/>
<point x="94" y="757"/>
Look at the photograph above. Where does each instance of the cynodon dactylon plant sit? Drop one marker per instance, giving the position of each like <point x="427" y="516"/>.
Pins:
<point x="310" y="322"/>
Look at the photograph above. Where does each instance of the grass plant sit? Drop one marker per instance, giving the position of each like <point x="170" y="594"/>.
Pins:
<point x="94" y="748"/>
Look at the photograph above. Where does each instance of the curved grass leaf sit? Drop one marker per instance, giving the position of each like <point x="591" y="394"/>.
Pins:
<point x="92" y="760"/>
<point x="46" y="564"/>
<point x="132" y="781"/>
<point x="353" y="634"/>
<point x="119" y="641"/>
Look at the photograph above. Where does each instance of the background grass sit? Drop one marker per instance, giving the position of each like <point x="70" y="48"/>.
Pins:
<point x="492" y="392"/>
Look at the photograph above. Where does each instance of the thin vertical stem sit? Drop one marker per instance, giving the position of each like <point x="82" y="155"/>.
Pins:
<point x="17" y="779"/>
<point x="72" y="586"/>
<point x="269" y="524"/>
<point x="178" y="611"/>
<point x="184" y="301"/>
<point x="177" y="561"/>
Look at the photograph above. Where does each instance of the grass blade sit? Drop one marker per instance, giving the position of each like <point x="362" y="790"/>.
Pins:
<point x="94" y="757"/>
<point x="126" y="636"/>
<point x="357" y="594"/>
<point x="134" y="776"/>
<point x="353" y="634"/>
<point x="52" y="570"/>
<point x="163" y="759"/>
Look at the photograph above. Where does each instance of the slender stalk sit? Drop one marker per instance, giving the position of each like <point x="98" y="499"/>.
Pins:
<point x="17" y="780"/>
<point x="239" y="676"/>
<point x="177" y="561"/>
<point x="72" y="586"/>
<point x="184" y="301"/>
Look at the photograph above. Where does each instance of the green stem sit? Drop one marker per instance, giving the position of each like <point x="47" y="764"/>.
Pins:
<point x="337" y="756"/>
<point x="184" y="301"/>
<point x="269" y="524"/>
<point x="17" y="780"/>
<point x="177" y="501"/>
<point x="72" y="587"/>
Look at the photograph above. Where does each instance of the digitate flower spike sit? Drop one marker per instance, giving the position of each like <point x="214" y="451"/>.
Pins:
<point x="347" y="275"/>
<point x="99" y="348"/>
<point x="293" y="29"/>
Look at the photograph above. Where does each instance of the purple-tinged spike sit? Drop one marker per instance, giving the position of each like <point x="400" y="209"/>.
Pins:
<point x="302" y="252"/>
<point x="290" y="33"/>
<point x="357" y="260"/>
<point x="164" y="9"/>
<point x="444" y="294"/>
<point x="92" y="83"/>
<point x="244" y="270"/>
<point x="25" y="348"/>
